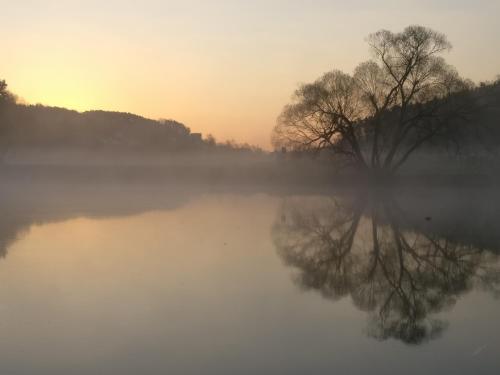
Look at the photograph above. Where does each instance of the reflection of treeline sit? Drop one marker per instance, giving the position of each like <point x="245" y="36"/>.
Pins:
<point x="27" y="205"/>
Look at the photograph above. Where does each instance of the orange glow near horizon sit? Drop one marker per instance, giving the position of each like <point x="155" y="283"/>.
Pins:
<point x="226" y="67"/>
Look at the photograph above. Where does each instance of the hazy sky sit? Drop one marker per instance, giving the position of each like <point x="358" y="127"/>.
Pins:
<point x="219" y="66"/>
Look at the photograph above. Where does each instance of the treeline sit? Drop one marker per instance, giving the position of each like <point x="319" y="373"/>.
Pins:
<point x="405" y="101"/>
<point x="475" y="134"/>
<point x="38" y="127"/>
<point x="487" y="117"/>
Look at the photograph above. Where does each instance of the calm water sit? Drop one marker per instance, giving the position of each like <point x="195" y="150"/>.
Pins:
<point x="145" y="281"/>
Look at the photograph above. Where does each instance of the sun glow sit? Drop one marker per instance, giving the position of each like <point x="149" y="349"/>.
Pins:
<point x="225" y="68"/>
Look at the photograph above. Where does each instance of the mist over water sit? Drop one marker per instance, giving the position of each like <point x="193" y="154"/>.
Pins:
<point x="204" y="279"/>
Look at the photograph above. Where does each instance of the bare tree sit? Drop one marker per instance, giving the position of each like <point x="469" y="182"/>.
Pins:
<point x="405" y="96"/>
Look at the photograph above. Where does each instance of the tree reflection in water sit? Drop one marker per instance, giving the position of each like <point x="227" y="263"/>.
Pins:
<point x="403" y="276"/>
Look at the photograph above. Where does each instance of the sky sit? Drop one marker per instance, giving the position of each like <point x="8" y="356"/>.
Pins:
<point x="221" y="67"/>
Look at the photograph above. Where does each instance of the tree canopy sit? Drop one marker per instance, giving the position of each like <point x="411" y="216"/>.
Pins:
<point x="405" y="96"/>
<point x="5" y="95"/>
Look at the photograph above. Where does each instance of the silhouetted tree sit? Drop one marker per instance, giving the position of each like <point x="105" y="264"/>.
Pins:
<point x="6" y="101"/>
<point x="210" y="140"/>
<point x="405" y="96"/>
<point x="5" y="95"/>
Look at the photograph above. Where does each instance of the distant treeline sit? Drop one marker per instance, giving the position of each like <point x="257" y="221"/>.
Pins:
<point x="475" y="135"/>
<point x="487" y="118"/>
<point x="49" y="136"/>
<point x="38" y="127"/>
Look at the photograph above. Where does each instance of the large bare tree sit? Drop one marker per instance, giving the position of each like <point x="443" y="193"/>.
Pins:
<point x="390" y="106"/>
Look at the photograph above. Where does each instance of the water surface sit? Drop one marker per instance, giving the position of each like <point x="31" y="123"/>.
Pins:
<point x="154" y="281"/>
